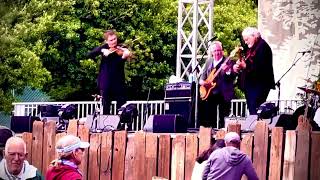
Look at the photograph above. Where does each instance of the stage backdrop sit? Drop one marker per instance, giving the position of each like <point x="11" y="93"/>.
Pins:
<point x="290" y="26"/>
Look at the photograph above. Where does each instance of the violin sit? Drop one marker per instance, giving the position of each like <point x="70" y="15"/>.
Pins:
<point x="118" y="50"/>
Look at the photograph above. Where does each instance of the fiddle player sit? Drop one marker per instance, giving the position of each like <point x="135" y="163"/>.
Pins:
<point x="256" y="70"/>
<point x="111" y="78"/>
<point x="222" y="94"/>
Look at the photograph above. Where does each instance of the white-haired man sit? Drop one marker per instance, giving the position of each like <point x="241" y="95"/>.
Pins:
<point x="14" y="165"/>
<point x="256" y="70"/>
<point x="229" y="162"/>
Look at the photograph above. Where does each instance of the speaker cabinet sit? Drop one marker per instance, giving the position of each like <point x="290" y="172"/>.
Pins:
<point x="183" y="107"/>
<point x="167" y="123"/>
<point x="20" y="124"/>
<point x="103" y="123"/>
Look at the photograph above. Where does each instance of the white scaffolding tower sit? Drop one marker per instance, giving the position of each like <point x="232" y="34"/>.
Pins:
<point x="195" y="29"/>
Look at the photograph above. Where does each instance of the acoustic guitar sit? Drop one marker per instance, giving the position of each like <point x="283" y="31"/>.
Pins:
<point x="210" y="82"/>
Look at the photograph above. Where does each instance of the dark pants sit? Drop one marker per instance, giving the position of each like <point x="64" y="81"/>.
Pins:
<point x="255" y="96"/>
<point x="209" y="119"/>
<point x="108" y="97"/>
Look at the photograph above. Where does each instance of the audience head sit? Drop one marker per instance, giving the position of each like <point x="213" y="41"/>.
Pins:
<point x="111" y="38"/>
<point x="71" y="148"/>
<point x="15" y="153"/>
<point x="232" y="139"/>
<point x="216" y="50"/>
<point x="205" y="154"/>
<point x="250" y="35"/>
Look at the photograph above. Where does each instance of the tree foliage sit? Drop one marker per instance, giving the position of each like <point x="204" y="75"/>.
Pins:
<point x="44" y="43"/>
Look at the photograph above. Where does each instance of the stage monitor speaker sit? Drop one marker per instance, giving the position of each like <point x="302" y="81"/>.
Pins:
<point x="104" y="122"/>
<point x="249" y="124"/>
<point x="20" y="124"/>
<point x="182" y="107"/>
<point x="166" y="123"/>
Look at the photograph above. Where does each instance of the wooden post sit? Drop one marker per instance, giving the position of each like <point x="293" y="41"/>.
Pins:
<point x="83" y="133"/>
<point x="301" y="166"/>
<point x="260" y="151"/>
<point x="246" y="146"/>
<point x="220" y="134"/>
<point x="130" y="159"/>
<point x="94" y="156"/>
<point x="235" y="127"/>
<point x="315" y="155"/>
<point x="289" y="155"/>
<point x="164" y="156"/>
<point x="106" y="155"/>
<point x="37" y="144"/>
<point x="276" y="153"/>
<point x="191" y="154"/>
<point x="151" y="155"/>
<point x="120" y="141"/>
<point x="49" y="142"/>
<point x="204" y="138"/>
<point x="140" y="152"/>
<point x="27" y="137"/>
<point x="178" y="157"/>
<point x="73" y="127"/>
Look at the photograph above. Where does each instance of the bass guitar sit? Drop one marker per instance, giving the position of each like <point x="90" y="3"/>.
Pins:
<point x="210" y="82"/>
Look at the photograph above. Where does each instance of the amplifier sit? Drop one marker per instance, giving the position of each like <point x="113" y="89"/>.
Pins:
<point x="181" y="89"/>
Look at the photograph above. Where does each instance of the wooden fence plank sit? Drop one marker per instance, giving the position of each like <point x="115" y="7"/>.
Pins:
<point x="140" y="151"/>
<point x="276" y="153"/>
<point x="178" y="157"/>
<point x="49" y="142"/>
<point x="106" y="156"/>
<point x="301" y="166"/>
<point x="37" y="144"/>
<point x="94" y="156"/>
<point x="315" y="156"/>
<point x="120" y="140"/>
<point x="246" y="146"/>
<point x="73" y="127"/>
<point x="234" y="127"/>
<point x="220" y="134"/>
<point x="27" y="137"/>
<point x="191" y="154"/>
<point x="151" y="155"/>
<point x="164" y="156"/>
<point x="130" y="159"/>
<point x="83" y="133"/>
<point x="260" y="151"/>
<point x="289" y="155"/>
<point x="58" y="136"/>
<point x="204" y="139"/>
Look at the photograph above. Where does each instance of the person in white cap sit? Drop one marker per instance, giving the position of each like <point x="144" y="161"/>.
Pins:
<point x="229" y="162"/>
<point x="70" y="152"/>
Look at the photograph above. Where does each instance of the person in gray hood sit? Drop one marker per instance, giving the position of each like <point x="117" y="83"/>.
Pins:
<point x="229" y="162"/>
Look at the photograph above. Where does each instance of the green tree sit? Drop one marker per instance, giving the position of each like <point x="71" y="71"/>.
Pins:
<point x="44" y="43"/>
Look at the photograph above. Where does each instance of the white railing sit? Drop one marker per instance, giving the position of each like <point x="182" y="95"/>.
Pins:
<point x="145" y="108"/>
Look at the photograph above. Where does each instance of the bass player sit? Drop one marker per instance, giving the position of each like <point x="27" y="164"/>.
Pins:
<point x="223" y="92"/>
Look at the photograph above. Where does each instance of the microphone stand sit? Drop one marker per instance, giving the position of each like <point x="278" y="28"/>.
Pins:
<point x="197" y="84"/>
<point x="278" y="82"/>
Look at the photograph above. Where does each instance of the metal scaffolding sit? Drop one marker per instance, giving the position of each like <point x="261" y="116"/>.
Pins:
<point x="195" y="30"/>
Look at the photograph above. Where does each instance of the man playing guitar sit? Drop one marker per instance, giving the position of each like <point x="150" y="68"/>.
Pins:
<point x="223" y="91"/>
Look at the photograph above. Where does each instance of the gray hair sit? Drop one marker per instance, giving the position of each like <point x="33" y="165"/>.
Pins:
<point x="15" y="140"/>
<point x="251" y="31"/>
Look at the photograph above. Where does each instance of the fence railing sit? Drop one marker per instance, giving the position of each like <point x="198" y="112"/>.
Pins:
<point x="121" y="155"/>
<point x="145" y="108"/>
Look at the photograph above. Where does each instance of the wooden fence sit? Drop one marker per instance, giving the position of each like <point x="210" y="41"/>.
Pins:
<point x="121" y="155"/>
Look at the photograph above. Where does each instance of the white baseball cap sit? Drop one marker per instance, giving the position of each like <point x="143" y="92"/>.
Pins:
<point x="71" y="147"/>
<point x="232" y="137"/>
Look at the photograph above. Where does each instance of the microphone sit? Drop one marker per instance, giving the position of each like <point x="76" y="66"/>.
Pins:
<point x="306" y="51"/>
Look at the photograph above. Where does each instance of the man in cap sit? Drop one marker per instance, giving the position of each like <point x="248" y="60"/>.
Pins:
<point x="14" y="165"/>
<point x="229" y="162"/>
<point x="70" y="152"/>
